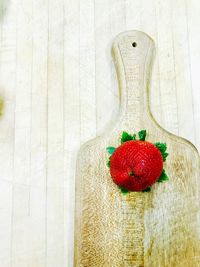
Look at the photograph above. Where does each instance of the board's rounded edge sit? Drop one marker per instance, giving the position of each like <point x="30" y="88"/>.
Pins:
<point x="132" y="33"/>
<point x="180" y="139"/>
<point x="121" y="81"/>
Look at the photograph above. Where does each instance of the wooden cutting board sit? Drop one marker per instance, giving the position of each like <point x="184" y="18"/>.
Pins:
<point x="157" y="228"/>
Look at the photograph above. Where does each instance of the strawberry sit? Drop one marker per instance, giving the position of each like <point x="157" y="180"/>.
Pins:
<point x="137" y="164"/>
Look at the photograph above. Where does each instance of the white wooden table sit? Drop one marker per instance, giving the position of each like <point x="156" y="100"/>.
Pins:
<point x="59" y="88"/>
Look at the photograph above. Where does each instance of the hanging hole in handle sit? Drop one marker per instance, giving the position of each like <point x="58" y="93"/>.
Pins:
<point x="134" y="44"/>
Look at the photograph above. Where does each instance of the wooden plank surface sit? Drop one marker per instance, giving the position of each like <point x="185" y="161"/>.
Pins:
<point x="59" y="88"/>
<point x="137" y="230"/>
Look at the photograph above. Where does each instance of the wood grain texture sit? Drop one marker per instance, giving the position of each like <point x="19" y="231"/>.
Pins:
<point x="47" y="47"/>
<point x="160" y="228"/>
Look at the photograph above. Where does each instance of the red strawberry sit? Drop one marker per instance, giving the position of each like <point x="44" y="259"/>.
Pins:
<point x="136" y="165"/>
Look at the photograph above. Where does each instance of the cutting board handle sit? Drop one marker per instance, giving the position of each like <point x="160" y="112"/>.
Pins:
<point x="133" y="53"/>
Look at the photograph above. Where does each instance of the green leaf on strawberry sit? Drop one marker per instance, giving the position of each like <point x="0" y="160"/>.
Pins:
<point x="162" y="147"/>
<point x="148" y="189"/>
<point x="163" y="177"/>
<point x="142" y="135"/>
<point x="124" y="191"/>
<point x="108" y="163"/>
<point x="111" y="149"/>
<point x="127" y="137"/>
<point x="165" y="154"/>
<point x="134" y="137"/>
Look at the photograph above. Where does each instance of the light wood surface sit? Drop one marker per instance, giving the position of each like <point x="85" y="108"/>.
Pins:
<point x="158" y="228"/>
<point x="59" y="87"/>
